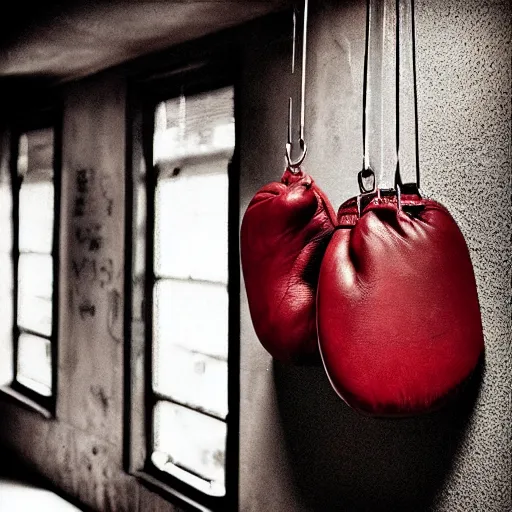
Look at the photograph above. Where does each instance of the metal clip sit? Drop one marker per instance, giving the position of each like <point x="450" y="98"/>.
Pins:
<point x="295" y="164"/>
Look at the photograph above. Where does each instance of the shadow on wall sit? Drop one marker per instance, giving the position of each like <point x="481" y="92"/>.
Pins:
<point x="344" y="461"/>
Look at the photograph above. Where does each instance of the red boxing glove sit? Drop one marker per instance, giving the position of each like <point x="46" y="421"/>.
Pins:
<point x="398" y="316"/>
<point x="284" y="233"/>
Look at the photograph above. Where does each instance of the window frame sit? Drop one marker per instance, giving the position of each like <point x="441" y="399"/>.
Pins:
<point x="144" y="93"/>
<point x="39" y="118"/>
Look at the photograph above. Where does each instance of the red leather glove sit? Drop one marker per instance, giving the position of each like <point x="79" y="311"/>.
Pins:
<point x="398" y="315"/>
<point x="284" y="233"/>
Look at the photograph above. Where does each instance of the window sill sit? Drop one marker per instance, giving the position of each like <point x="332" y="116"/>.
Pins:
<point x="167" y="492"/>
<point x="19" y="398"/>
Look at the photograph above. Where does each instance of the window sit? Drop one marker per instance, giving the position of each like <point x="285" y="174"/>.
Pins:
<point x="183" y="303"/>
<point x="28" y="266"/>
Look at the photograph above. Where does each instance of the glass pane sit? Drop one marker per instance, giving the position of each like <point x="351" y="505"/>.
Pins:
<point x="6" y="270"/>
<point x="190" y="315"/>
<point x="35" y="155"/>
<point x="192" y="378"/>
<point x="191" y="441"/>
<point x="35" y="364"/>
<point x="191" y="228"/>
<point x="35" y="282"/>
<point x="36" y="217"/>
<point x="35" y="166"/>
<point x="139" y="249"/>
<point x="5" y="216"/>
<point x="6" y="298"/>
<point x="194" y="125"/>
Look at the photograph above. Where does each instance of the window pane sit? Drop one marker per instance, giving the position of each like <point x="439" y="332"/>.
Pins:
<point x="35" y="278"/>
<point x="36" y="217"/>
<point x="191" y="441"/>
<point x="35" y="166"/>
<point x="139" y="249"/>
<point x="5" y="274"/>
<point x="194" y="125"/>
<point x="35" y="363"/>
<point x="5" y="217"/>
<point x="35" y="155"/>
<point x="191" y="228"/>
<point x="192" y="378"/>
<point x="190" y="315"/>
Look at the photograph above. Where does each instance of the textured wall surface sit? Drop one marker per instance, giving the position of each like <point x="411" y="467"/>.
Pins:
<point x="464" y="87"/>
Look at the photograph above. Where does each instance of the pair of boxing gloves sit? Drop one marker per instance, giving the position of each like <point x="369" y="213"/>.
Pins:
<point x="384" y="292"/>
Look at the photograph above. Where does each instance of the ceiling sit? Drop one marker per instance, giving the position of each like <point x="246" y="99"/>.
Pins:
<point x="63" y="40"/>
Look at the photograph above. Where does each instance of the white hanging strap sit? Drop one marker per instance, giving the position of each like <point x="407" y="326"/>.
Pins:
<point x="390" y="134"/>
<point x="380" y="137"/>
<point x="408" y="155"/>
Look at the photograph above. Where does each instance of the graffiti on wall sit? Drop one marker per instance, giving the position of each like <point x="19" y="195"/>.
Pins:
<point x="92" y="268"/>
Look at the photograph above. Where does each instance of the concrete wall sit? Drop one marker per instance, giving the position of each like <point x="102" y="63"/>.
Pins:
<point x="301" y="448"/>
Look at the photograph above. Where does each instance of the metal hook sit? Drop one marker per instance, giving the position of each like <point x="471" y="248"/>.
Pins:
<point x="366" y="174"/>
<point x="368" y="197"/>
<point x="294" y="164"/>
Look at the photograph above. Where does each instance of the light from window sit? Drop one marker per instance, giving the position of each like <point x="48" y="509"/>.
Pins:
<point x="193" y="143"/>
<point x="35" y="263"/>
<point x="34" y="363"/>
